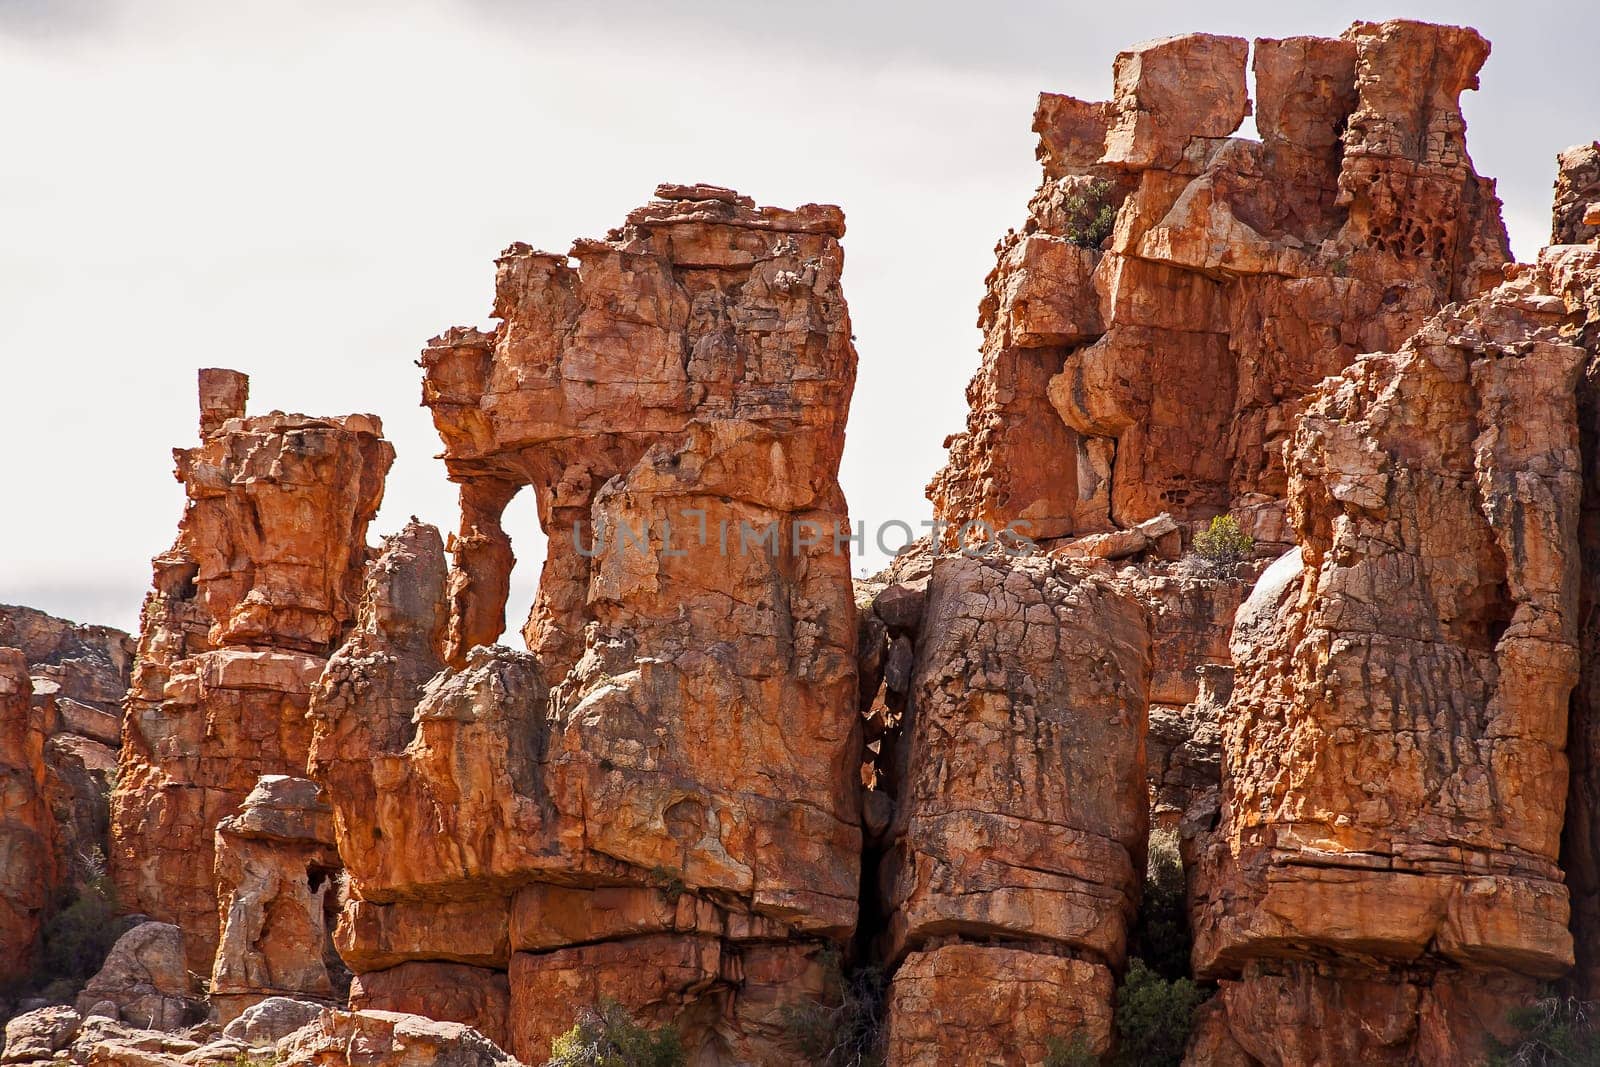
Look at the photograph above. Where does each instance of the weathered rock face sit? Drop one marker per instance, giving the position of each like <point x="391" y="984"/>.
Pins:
<point x="660" y="801"/>
<point x="1575" y="215"/>
<point x="260" y="586"/>
<point x="1173" y="284"/>
<point x="1574" y="274"/>
<point x="1394" y="775"/>
<point x="88" y="664"/>
<point x="1184" y="750"/>
<point x="29" y="869"/>
<point x="1017" y="773"/>
<point x="276" y="868"/>
<point x="324" y="1038"/>
<point x="58" y="728"/>
<point x="969" y="1003"/>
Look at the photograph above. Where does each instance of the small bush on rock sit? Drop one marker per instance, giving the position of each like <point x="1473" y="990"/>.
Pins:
<point x="1161" y="936"/>
<point x="847" y="1031"/>
<point x="1223" y="543"/>
<point x="607" y="1036"/>
<point x="1092" y="215"/>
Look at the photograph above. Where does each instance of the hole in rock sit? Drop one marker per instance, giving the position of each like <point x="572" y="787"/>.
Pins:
<point x="521" y="524"/>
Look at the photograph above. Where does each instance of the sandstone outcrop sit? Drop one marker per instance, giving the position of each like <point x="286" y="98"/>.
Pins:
<point x="258" y="589"/>
<point x="1574" y="274"/>
<point x="276" y="870"/>
<point x="659" y="801"/>
<point x="29" y="870"/>
<point x="1394" y="767"/>
<point x="60" y="720"/>
<point x="1575" y="215"/>
<point x="1015" y="764"/>
<point x="1149" y="333"/>
<point x="729" y="789"/>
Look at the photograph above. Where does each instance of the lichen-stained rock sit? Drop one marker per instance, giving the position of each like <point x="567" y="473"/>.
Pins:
<point x="259" y="587"/>
<point x="676" y="760"/>
<point x="29" y="870"/>
<point x="964" y="1003"/>
<point x="39" y="1035"/>
<point x="1394" y="775"/>
<point x="1021" y="809"/>
<point x="275" y="868"/>
<point x="1577" y="198"/>
<point x="1175" y="292"/>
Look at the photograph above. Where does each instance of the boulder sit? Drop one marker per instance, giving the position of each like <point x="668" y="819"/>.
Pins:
<point x="268" y="1021"/>
<point x="145" y="975"/>
<point x="39" y="1035"/>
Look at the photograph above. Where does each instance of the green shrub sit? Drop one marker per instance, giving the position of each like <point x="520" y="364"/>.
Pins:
<point x="1553" y="1031"/>
<point x="847" y="1029"/>
<point x="1070" y="1053"/>
<point x="669" y="882"/>
<point x="1090" y="215"/>
<point x="608" y="1036"/>
<point x="1223" y="544"/>
<point x="76" y="939"/>
<point x="1153" y="1017"/>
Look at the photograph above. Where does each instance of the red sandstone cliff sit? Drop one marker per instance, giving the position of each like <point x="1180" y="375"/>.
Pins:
<point x="721" y="775"/>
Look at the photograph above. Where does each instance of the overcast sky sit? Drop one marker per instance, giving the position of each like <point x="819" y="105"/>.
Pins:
<point x="309" y="191"/>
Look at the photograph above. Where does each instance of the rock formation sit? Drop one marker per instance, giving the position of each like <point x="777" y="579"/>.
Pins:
<point x="1576" y="213"/>
<point x="1384" y="880"/>
<point x="51" y="1037"/>
<point x="29" y="870"/>
<point x="724" y="786"/>
<point x="659" y="801"/>
<point x="144" y="981"/>
<point x="1017" y="775"/>
<point x="1174" y="284"/>
<point x="61" y="685"/>
<point x="276" y="868"/>
<point x="258" y="589"/>
<point x="1574" y="275"/>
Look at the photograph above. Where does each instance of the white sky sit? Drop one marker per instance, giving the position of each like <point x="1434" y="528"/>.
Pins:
<point x="309" y="191"/>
